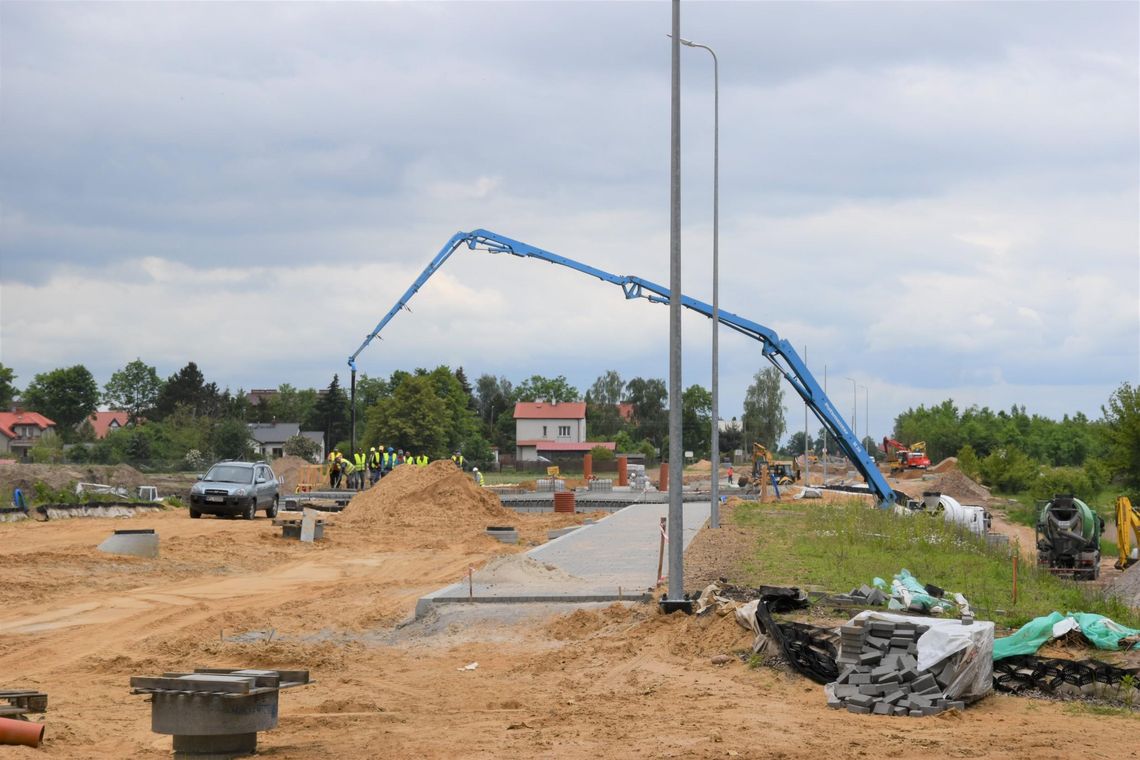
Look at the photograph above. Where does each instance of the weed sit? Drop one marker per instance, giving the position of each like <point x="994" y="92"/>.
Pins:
<point x="842" y="545"/>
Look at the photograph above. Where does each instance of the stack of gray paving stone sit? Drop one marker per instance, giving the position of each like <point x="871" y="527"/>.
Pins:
<point x="879" y="672"/>
<point x="864" y="595"/>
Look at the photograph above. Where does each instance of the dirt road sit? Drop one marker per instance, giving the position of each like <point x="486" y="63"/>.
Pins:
<point x="609" y="682"/>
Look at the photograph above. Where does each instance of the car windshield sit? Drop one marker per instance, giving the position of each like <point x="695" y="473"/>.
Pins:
<point x="228" y="473"/>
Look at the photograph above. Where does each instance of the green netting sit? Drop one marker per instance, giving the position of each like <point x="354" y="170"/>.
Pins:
<point x="1102" y="632"/>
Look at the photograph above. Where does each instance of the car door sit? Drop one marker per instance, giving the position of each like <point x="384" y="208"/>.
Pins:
<point x="258" y="486"/>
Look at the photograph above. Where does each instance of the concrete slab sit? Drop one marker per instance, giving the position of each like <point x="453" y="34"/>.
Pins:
<point x="611" y="560"/>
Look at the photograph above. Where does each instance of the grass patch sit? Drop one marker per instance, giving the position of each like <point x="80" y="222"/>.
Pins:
<point x="842" y="545"/>
<point x="1088" y="708"/>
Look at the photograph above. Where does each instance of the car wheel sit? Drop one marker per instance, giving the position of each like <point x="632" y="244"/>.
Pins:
<point x="195" y="514"/>
<point x="272" y="511"/>
<point x="251" y="510"/>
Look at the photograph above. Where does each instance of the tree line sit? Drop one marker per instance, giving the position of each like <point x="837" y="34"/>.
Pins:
<point x="1014" y="451"/>
<point x="432" y="411"/>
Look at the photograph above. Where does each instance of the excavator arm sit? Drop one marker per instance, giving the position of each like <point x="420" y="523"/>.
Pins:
<point x="1127" y="531"/>
<point x="773" y="348"/>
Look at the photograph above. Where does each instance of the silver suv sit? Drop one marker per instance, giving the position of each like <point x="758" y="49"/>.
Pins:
<point x="235" y="488"/>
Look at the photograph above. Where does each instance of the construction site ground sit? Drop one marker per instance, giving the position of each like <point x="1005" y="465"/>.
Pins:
<point x="618" y="680"/>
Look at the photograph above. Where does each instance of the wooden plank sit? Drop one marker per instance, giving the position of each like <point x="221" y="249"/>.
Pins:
<point x="234" y="686"/>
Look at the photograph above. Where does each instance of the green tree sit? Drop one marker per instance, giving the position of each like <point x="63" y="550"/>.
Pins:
<point x="291" y="404"/>
<point x="410" y="418"/>
<point x="1008" y="470"/>
<point x="764" y="408"/>
<point x="67" y="396"/>
<point x="968" y="462"/>
<point x="539" y="388"/>
<point x="494" y="402"/>
<point x="330" y="415"/>
<point x="8" y="390"/>
<point x="187" y="388"/>
<point x="696" y="420"/>
<point x="1122" y="435"/>
<point x="134" y="389"/>
<point x="231" y="440"/>
<point x="731" y="438"/>
<point x="603" y="416"/>
<point x="300" y="446"/>
<point x="602" y="454"/>
<point x="650" y="418"/>
<point x="48" y="449"/>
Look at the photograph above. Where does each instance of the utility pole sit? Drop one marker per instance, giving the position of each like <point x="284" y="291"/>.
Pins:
<point x="676" y="591"/>
<point x="807" y="463"/>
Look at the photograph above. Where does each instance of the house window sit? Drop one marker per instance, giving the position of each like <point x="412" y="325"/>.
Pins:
<point x="563" y="431"/>
<point x="544" y="431"/>
<point x="277" y="453"/>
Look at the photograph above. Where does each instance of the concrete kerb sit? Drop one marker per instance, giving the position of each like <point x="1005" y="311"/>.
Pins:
<point x="595" y="565"/>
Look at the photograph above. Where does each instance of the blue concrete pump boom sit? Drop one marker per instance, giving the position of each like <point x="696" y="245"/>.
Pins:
<point x="778" y="351"/>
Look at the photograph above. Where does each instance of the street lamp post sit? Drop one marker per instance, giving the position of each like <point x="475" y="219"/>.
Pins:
<point x="854" y="407"/>
<point x="714" y="514"/>
<point x="866" y="410"/>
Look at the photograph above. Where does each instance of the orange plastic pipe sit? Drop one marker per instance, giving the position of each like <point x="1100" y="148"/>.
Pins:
<point x="21" y="732"/>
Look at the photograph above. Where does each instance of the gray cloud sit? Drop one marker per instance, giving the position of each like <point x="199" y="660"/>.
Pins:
<point x="939" y="198"/>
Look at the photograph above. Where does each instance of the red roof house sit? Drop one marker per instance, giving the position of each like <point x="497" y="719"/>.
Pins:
<point x="104" y="422"/>
<point x="19" y="431"/>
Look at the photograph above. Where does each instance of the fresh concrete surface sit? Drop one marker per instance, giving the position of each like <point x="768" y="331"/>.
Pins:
<point x="613" y="559"/>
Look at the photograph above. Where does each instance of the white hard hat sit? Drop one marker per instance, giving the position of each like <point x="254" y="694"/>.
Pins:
<point x="475" y="469"/>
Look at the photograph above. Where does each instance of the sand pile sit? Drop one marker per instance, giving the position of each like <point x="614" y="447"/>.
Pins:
<point x="287" y="470"/>
<point x="702" y="466"/>
<point x="955" y="483"/>
<point x="438" y="499"/>
<point x="949" y="463"/>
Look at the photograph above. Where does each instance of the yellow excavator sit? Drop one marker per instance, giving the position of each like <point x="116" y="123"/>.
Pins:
<point x="1127" y="532"/>
<point x="786" y="472"/>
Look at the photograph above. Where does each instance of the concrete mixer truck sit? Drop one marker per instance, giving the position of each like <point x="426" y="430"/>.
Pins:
<point x="1068" y="538"/>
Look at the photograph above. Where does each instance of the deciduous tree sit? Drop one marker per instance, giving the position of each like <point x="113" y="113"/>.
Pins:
<point x="134" y="389"/>
<point x="764" y="408"/>
<point x="67" y="396"/>
<point x="8" y="390"/>
<point x="1122" y="435"/>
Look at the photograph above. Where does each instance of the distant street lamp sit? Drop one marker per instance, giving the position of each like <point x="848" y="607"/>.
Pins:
<point x="866" y="410"/>
<point x="714" y="515"/>
<point x="854" y="407"/>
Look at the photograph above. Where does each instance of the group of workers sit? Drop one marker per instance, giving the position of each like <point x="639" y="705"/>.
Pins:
<point x="353" y="472"/>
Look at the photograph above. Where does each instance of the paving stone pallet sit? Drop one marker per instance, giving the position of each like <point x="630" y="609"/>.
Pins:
<point x="880" y="674"/>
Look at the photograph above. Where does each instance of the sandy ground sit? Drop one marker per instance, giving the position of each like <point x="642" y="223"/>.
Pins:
<point x="597" y="682"/>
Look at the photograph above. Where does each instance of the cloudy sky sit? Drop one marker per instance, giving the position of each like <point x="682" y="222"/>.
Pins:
<point x="937" y="200"/>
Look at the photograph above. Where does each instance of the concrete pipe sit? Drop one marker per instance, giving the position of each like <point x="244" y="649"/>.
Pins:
<point x="21" y="732"/>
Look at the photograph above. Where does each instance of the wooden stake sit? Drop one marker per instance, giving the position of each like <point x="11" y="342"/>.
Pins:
<point x="470" y="583"/>
<point x="661" y="550"/>
<point x="1015" y="559"/>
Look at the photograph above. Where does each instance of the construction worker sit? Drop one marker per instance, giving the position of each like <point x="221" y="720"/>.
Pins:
<point x="399" y="456"/>
<point x="347" y="469"/>
<point x="374" y="464"/>
<point x="422" y="460"/>
<point x="389" y="461"/>
<point x="457" y="457"/>
<point x="361" y="462"/>
<point x="478" y="476"/>
<point x="334" y="468"/>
